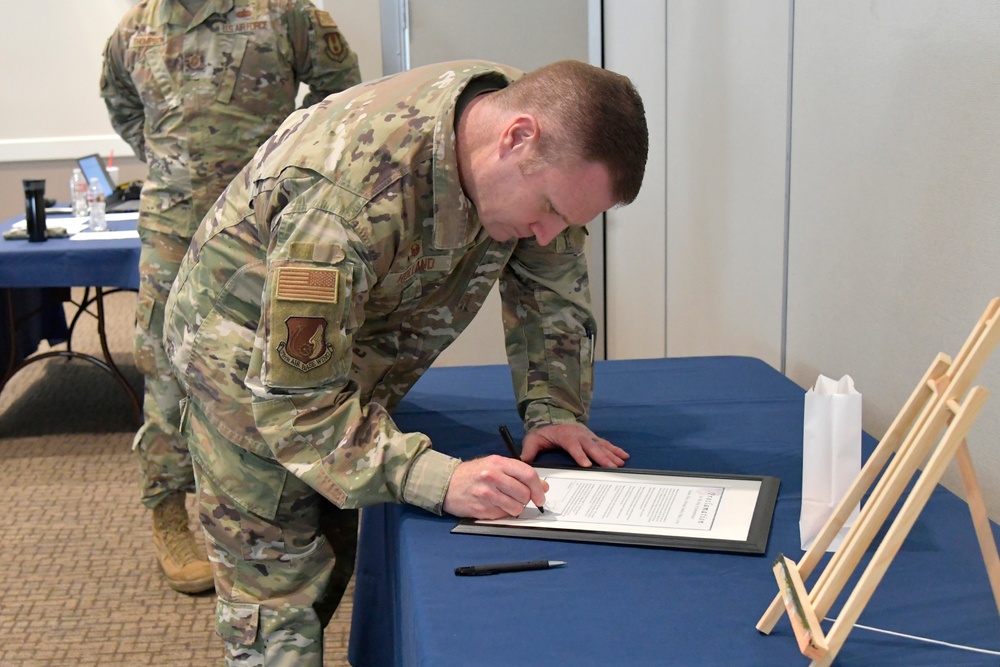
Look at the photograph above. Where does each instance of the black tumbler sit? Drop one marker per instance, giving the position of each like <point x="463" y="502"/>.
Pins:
<point x="34" y="209"/>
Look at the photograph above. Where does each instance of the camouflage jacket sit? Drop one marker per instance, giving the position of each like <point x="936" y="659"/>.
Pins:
<point x="195" y="101"/>
<point x="338" y="265"/>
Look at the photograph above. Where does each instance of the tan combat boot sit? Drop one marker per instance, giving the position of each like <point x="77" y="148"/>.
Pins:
<point x="184" y="565"/>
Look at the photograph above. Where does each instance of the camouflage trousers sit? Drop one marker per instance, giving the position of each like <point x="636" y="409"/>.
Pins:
<point x="280" y="572"/>
<point x="163" y="453"/>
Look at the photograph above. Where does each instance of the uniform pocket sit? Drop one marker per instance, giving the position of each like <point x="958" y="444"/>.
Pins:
<point x="144" y="310"/>
<point x="587" y="366"/>
<point x="252" y="482"/>
<point x="234" y="46"/>
<point x="150" y="75"/>
<point x="145" y="338"/>
<point x="236" y="622"/>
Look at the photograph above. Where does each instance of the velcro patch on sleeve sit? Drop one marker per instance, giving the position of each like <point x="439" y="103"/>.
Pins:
<point x="324" y="20"/>
<point x="300" y="284"/>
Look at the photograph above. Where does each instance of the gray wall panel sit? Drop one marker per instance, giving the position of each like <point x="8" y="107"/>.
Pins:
<point x="895" y="199"/>
<point x="727" y="101"/>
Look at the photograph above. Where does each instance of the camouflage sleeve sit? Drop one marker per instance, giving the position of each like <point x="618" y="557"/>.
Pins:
<point x="305" y="405"/>
<point x="323" y="58"/>
<point x="549" y="329"/>
<point x="121" y="98"/>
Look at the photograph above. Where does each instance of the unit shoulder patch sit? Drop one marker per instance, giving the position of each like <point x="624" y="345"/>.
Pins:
<point x="305" y="346"/>
<point x="335" y="47"/>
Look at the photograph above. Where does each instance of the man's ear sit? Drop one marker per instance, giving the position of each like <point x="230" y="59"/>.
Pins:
<point x="520" y="136"/>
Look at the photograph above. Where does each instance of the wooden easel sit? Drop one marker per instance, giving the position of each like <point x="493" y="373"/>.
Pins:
<point x="942" y="401"/>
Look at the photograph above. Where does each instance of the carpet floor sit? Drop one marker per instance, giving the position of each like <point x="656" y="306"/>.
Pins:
<point x="81" y="585"/>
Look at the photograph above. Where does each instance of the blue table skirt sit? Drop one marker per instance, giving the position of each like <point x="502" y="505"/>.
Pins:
<point x="619" y="605"/>
<point x="38" y="314"/>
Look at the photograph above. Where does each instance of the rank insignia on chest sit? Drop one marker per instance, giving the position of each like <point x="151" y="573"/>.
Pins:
<point x="305" y="346"/>
<point x="317" y="285"/>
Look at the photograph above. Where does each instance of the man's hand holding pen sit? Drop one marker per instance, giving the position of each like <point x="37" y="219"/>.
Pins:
<point x="496" y="487"/>
<point x="493" y="487"/>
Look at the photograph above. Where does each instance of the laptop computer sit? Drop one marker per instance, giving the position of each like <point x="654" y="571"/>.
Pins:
<point x="92" y="166"/>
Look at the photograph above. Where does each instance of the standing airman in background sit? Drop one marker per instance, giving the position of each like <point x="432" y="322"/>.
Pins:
<point x="194" y="87"/>
<point x="356" y="245"/>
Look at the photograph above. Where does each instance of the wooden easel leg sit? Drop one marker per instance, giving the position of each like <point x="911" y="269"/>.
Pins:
<point x="933" y="407"/>
<point x="965" y="415"/>
<point x="887" y="493"/>
<point x="888" y="446"/>
<point x="980" y="519"/>
<point x="823" y="662"/>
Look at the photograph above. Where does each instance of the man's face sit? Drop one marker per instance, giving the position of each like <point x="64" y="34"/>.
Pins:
<point x="541" y="201"/>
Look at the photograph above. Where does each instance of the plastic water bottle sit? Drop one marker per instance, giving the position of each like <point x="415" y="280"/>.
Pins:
<point x="78" y="193"/>
<point x="95" y="199"/>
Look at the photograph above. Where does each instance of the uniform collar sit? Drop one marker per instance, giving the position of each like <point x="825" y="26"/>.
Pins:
<point x="173" y="12"/>
<point x="456" y="223"/>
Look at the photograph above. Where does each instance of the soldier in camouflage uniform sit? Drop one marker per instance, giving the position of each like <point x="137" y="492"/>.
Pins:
<point x="355" y="246"/>
<point x="195" y="86"/>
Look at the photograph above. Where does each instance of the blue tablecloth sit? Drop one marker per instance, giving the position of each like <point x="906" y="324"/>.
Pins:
<point x="30" y="269"/>
<point x="619" y="605"/>
<point x="67" y="263"/>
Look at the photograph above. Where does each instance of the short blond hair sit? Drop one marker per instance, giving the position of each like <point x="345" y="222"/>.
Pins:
<point x="598" y="116"/>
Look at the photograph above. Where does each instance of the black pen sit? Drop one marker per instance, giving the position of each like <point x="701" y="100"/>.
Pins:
<point x="512" y="448"/>
<point x="500" y="568"/>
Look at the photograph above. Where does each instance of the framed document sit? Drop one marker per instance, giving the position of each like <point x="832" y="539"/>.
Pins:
<point x="655" y="508"/>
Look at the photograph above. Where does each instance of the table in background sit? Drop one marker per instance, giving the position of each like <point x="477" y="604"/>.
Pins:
<point x="61" y="263"/>
<point x="621" y="605"/>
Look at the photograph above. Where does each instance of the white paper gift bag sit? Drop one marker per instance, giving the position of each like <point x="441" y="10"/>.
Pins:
<point x="831" y="455"/>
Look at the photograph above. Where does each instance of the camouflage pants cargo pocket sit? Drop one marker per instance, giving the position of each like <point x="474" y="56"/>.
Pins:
<point x="279" y="576"/>
<point x="237" y="623"/>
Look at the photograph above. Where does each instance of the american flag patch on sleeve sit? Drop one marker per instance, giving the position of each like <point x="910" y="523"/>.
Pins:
<point x="296" y="284"/>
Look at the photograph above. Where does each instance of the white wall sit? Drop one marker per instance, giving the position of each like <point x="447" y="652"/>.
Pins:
<point x="52" y="51"/>
<point x="892" y="192"/>
<point x="360" y="23"/>
<point x="727" y="68"/>
<point x="895" y="199"/>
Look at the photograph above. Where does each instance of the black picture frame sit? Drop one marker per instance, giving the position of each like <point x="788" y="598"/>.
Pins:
<point x="755" y="543"/>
